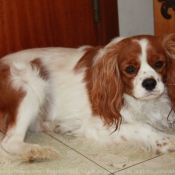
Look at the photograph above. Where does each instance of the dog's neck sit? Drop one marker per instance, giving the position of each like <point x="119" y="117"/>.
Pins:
<point x="156" y="112"/>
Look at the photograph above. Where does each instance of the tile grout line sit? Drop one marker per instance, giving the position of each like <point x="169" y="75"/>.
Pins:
<point x="80" y="154"/>
<point x="111" y="173"/>
<point x="138" y="163"/>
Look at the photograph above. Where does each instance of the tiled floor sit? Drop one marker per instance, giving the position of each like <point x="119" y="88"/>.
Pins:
<point x="79" y="158"/>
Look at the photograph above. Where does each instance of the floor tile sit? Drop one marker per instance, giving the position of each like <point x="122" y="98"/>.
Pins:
<point x="71" y="162"/>
<point x="162" y="165"/>
<point x="105" y="157"/>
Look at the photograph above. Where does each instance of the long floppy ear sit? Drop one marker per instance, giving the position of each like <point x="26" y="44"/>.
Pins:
<point x="169" y="46"/>
<point x="107" y="87"/>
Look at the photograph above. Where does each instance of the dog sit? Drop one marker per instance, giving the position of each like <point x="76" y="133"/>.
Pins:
<point x="117" y="94"/>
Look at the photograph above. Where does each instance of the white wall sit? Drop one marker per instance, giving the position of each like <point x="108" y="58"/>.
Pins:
<point x="135" y="17"/>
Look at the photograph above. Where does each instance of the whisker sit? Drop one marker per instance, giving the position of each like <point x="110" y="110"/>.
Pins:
<point x="168" y="78"/>
<point x="129" y="92"/>
<point x="169" y="84"/>
<point x="170" y="91"/>
<point x="128" y="84"/>
<point x="169" y="113"/>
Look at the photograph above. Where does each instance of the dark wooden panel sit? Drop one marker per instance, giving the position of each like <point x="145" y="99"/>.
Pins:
<point x="42" y="23"/>
<point x="108" y="26"/>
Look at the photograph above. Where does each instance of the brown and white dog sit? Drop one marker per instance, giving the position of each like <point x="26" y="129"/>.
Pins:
<point x="123" y="92"/>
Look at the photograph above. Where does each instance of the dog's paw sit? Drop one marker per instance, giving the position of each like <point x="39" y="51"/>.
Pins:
<point x="40" y="153"/>
<point x="57" y="129"/>
<point x="165" y="145"/>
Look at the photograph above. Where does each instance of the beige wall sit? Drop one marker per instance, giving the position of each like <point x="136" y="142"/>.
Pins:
<point x="135" y="17"/>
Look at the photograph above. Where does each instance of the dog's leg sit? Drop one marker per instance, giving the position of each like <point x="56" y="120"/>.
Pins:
<point x="145" y="136"/>
<point x="13" y="141"/>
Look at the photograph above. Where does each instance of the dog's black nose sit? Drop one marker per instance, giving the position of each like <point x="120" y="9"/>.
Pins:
<point x="149" y="84"/>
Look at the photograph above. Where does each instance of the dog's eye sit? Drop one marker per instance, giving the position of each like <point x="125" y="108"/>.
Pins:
<point x="158" y="64"/>
<point x="130" y="69"/>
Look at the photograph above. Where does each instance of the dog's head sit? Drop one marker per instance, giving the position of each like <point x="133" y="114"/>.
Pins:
<point x="140" y="66"/>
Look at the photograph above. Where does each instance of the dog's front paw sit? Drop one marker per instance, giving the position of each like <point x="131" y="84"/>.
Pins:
<point x="165" y="145"/>
<point x="57" y="129"/>
<point x="39" y="153"/>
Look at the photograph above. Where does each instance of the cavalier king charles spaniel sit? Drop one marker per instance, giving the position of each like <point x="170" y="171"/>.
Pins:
<point x="118" y="94"/>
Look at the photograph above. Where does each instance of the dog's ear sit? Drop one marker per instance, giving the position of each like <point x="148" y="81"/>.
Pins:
<point x="107" y="87"/>
<point x="169" y="46"/>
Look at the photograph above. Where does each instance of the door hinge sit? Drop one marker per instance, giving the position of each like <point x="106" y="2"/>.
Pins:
<point x="96" y="11"/>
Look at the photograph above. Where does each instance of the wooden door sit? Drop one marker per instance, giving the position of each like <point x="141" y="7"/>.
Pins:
<point x="161" y="24"/>
<point x="44" y="23"/>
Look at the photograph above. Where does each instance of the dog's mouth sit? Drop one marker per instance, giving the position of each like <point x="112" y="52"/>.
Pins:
<point x="150" y="95"/>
